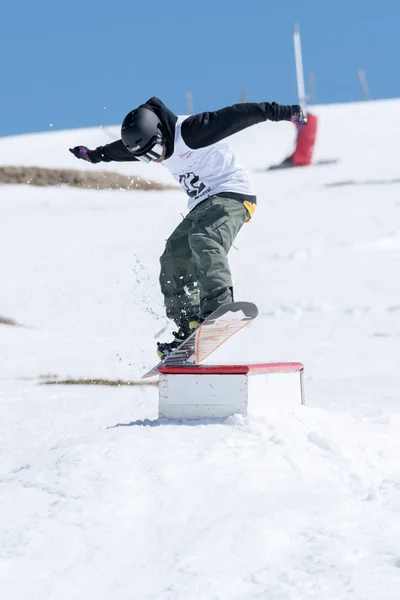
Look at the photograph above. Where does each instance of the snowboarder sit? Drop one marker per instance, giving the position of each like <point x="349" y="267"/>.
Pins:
<point x="195" y="277"/>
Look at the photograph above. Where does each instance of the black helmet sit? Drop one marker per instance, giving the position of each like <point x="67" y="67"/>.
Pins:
<point x="140" y="132"/>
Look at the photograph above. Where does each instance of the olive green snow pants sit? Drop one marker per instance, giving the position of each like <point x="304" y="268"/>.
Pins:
<point x="195" y="278"/>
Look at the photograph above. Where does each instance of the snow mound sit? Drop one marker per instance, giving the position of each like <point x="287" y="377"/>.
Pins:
<point x="100" y="498"/>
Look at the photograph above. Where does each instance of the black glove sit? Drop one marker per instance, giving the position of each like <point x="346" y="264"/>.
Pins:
<point x="83" y="153"/>
<point x="297" y="115"/>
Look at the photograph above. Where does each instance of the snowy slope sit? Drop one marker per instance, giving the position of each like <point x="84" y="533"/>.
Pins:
<point x="99" y="499"/>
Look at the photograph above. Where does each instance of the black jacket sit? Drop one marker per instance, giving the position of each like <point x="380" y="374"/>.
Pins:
<point x="199" y="131"/>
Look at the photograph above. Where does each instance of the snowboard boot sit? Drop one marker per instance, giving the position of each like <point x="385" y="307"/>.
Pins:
<point x="184" y="331"/>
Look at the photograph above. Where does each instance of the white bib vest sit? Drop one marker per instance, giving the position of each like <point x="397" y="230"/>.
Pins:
<point x="207" y="171"/>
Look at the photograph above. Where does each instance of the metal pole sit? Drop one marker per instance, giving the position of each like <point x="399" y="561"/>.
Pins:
<point x="299" y="68"/>
<point x="312" y="96"/>
<point x="363" y="83"/>
<point x="189" y="103"/>
<point x="243" y="94"/>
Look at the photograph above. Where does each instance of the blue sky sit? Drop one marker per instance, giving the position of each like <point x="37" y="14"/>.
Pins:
<point x="79" y="64"/>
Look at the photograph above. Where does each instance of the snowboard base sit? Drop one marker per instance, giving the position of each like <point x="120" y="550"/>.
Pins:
<point x="212" y="333"/>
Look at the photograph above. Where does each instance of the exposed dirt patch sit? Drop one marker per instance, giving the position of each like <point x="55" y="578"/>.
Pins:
<point x="97" y="381"/>
<point x="365" y="182"/>
<point x="98" y="180"/>
<point x="5" y="321"/>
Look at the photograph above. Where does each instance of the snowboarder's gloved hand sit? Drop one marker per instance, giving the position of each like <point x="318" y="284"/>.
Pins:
<point x="82" y="152"/>
<point x="297" y="115"/>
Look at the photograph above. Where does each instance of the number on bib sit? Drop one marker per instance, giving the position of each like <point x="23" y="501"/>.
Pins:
<point x="192" y="185"/>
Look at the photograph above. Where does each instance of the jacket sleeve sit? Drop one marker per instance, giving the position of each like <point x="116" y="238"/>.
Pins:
<point x="208" y="128"/>
<point x="114" y="151"/>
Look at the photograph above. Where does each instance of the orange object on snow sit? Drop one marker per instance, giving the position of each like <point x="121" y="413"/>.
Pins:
<point x="306" y="136"/>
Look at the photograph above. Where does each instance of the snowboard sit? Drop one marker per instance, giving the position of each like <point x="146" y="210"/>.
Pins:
<point x="212" y="333"/>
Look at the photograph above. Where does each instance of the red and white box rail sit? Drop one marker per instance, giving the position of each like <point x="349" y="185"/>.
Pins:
<point x="219" y="391"/>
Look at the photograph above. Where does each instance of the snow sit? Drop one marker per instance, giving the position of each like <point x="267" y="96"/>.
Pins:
<point x="99" y="498"/>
